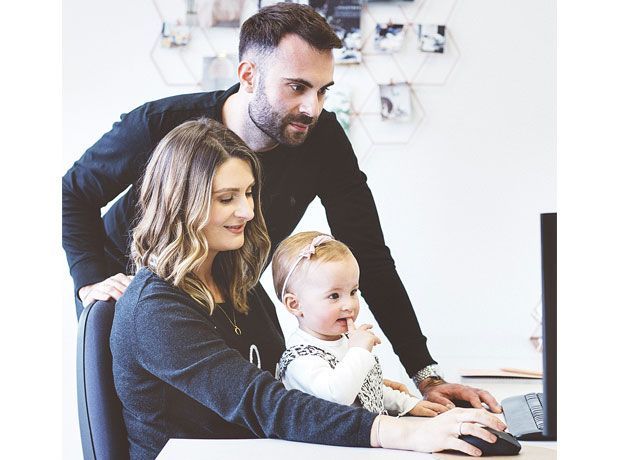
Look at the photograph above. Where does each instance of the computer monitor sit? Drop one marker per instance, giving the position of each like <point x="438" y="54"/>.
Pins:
<point x="533" y="416"/>
<point x="548" y="227"/>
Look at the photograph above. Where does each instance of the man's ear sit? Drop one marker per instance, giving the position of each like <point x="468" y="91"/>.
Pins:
<point x="291" y="303"/>
<point x="247" y="74"/>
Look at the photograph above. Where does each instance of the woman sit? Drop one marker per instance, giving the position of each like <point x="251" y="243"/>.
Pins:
<point x="194" y="351"/>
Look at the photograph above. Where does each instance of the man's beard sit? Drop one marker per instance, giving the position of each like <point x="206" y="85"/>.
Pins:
<point x="274" y="124"/>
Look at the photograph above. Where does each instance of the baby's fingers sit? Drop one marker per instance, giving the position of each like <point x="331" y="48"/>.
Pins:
<point x="350" y="325"/>
<point x="420" y="410"/>
<point x="423" y="412"/>
<point x="438" y="408"/>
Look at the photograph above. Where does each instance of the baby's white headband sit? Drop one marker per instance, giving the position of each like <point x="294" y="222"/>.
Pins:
<point x="304" y="254"/>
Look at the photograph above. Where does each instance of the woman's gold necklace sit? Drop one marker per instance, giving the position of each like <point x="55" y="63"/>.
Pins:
<point x="236" y="329"/>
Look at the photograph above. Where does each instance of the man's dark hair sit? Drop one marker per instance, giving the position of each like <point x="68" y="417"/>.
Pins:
<point x="263" y="31"/>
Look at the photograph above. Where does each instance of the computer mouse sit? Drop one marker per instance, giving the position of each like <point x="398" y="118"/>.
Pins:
<point x="506" y="444"/>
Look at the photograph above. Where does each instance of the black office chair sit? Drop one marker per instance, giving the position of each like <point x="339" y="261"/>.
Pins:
<point x="100" y="412"/>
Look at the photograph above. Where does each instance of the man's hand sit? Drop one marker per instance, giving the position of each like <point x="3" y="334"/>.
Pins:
<point x="361" y="337"/>
<point x="111" y="288"/>
<point x="445" y="393"/>
<point x="397" y="386"/>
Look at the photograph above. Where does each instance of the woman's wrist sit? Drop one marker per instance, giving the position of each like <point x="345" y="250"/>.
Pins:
<point x="384" y="431"/>
<point x="392" y="432"/>
<point x="375" y="432"/>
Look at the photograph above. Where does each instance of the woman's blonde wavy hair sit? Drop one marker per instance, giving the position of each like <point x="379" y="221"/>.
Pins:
<point x="174" y="206"/>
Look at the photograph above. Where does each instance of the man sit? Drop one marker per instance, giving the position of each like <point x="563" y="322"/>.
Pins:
<point x="285" y="70"/>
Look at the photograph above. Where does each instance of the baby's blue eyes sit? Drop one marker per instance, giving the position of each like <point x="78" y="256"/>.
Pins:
<point x="336" y="296"/>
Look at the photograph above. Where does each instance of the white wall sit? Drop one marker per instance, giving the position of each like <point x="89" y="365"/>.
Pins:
<point x="459" y="203"/>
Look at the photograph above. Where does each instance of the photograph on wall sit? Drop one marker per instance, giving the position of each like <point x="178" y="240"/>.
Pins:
<point x="191" y="13"/>
<point x="389" y="37"/>
<point x="219" y="13"/>
<point x="175" y="34"/>
<point x="338" y="101"/>
<point x="431" y="38"/>
<point x="263" y="3"/>
<point x="344" y="18"/>
<point x="395" y="101"/>
<point x="218" y="72"/>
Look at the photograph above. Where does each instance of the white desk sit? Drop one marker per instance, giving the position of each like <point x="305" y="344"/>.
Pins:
<point x="222" y="449"/>
<point x="210" y="449"/>
<point x="259" y="449"/>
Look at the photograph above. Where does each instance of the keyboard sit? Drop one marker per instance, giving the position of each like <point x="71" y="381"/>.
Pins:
<point x="524" y="415"/>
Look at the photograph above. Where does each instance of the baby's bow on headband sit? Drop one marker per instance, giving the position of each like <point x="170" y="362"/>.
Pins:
<point x="306" y="253"/>
<point x="311" y="247"/>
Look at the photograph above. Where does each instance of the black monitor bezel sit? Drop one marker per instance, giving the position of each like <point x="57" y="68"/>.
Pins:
<point x="548" y="226"/>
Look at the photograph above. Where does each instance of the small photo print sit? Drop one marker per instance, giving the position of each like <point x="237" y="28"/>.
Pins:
<point x="389" y="37"/>
<point x="338" y="101"/>
<point x="347" y="56"/>
<point x="344" y="18"/>
<point x="191" y="13"/>
<point x="219" y="13"/>
<point x="431" y="38"/>
<point x="395" y="101"/>
<point x="175" y="34"/>
<point x="263" y="3"/>
<point x="218" y="72"/>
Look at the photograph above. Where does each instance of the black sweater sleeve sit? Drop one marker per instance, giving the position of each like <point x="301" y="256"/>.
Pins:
<point x="353" y="218"/>
<point x="105" y="170"/>
<point x="179" y="346"/>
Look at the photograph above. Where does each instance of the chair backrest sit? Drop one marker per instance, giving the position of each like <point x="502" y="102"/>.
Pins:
<point x="100" y="412"/>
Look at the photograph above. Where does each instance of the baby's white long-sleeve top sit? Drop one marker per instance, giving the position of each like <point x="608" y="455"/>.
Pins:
<point x="314" y="375"/>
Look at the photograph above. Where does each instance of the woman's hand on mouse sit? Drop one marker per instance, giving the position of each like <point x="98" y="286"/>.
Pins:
<point x="437" y="433"/>
<point x="362" y="336"/>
